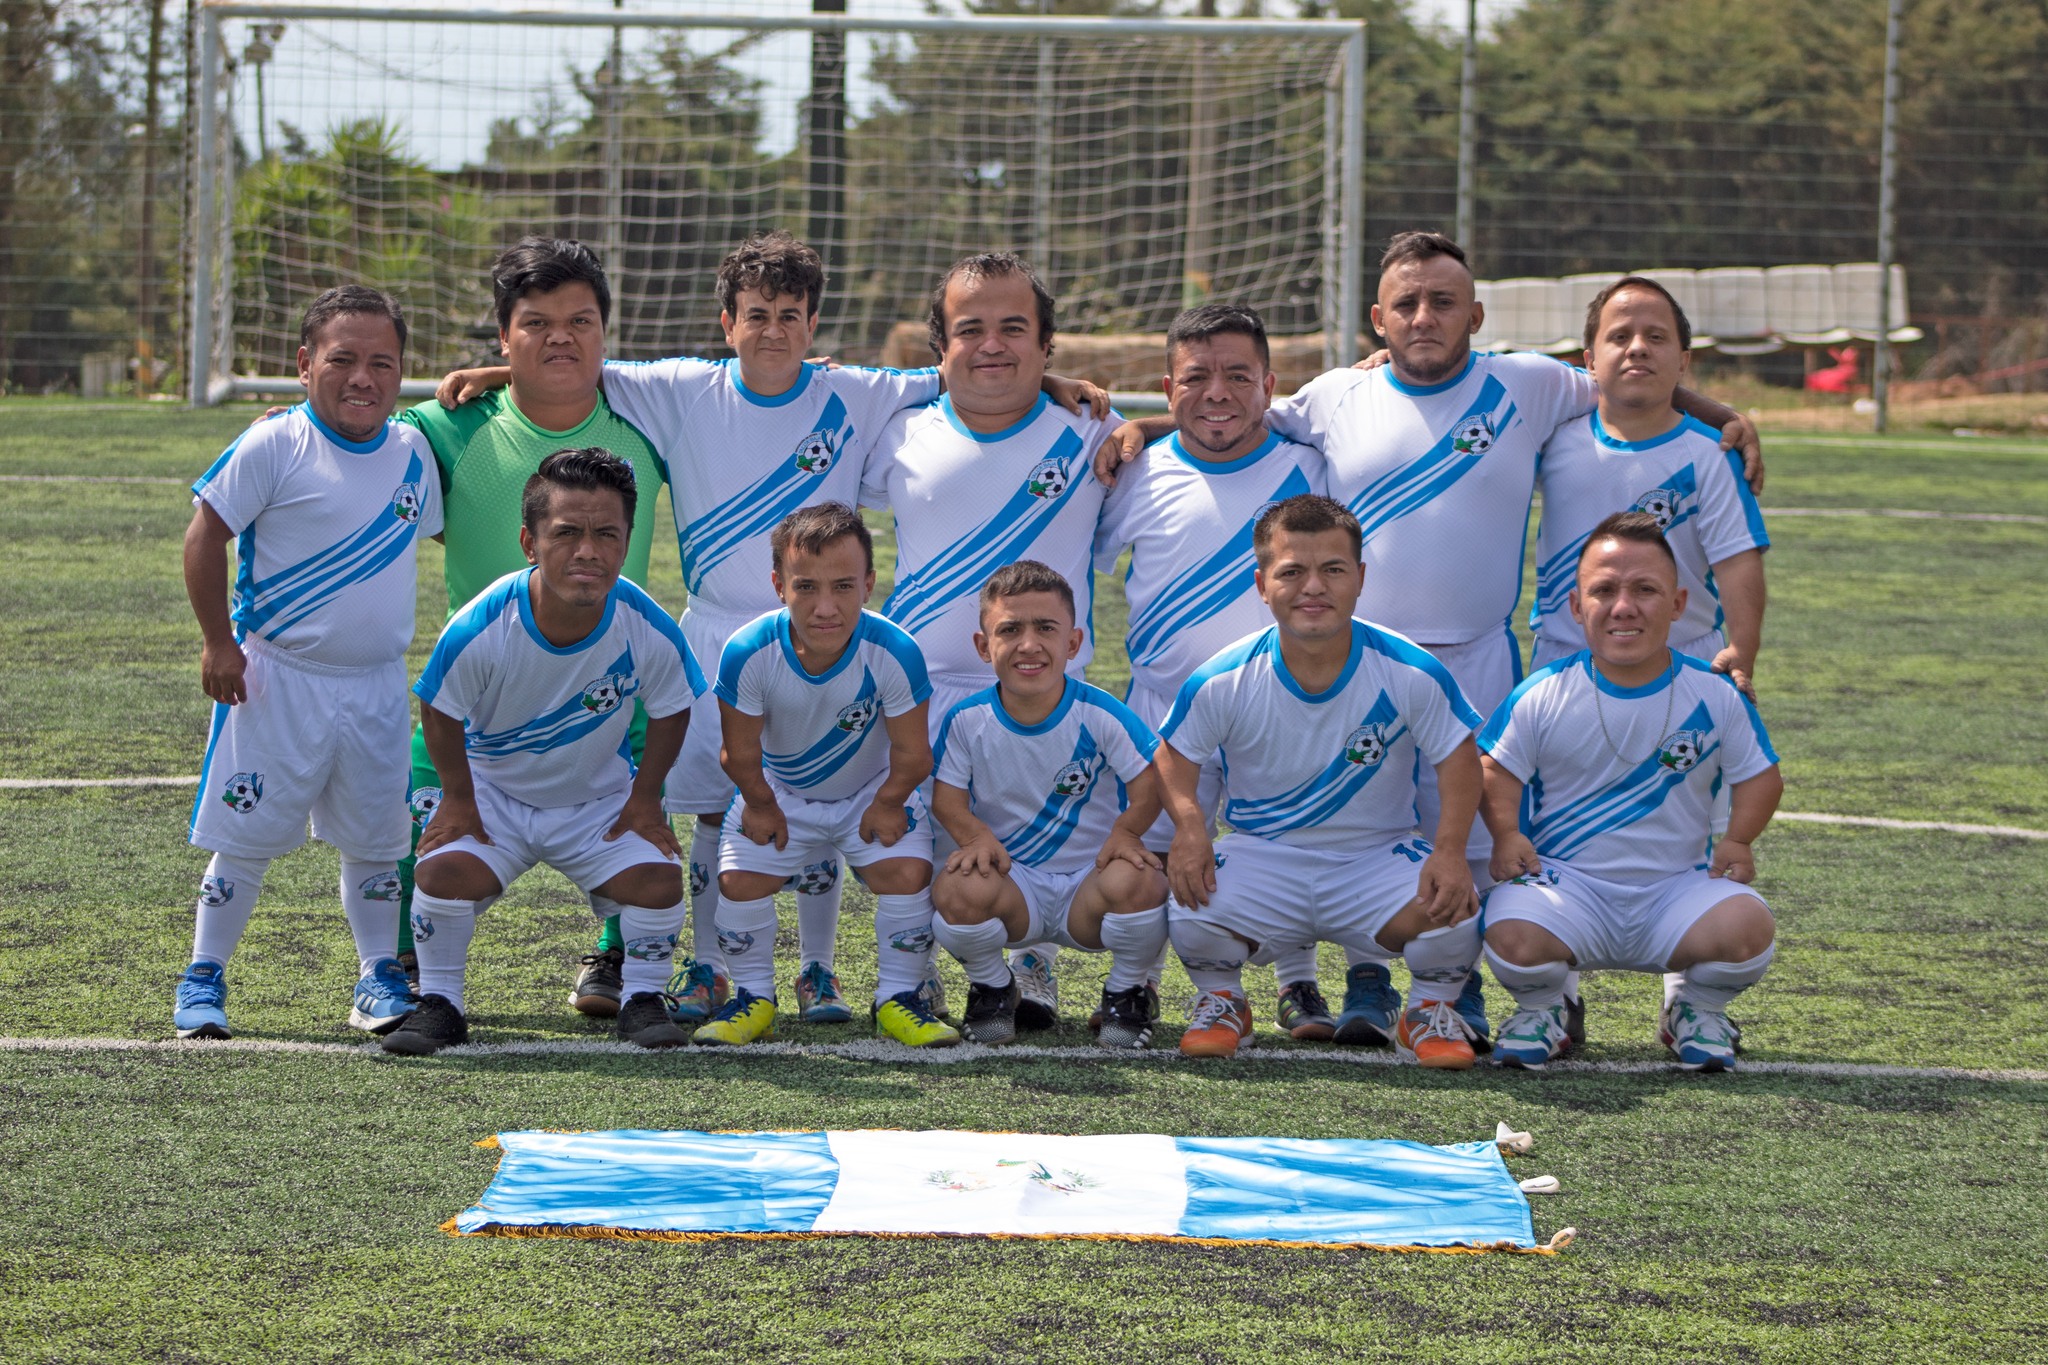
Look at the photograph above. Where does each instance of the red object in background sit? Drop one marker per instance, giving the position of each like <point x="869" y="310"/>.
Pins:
<point x="1838" y="377"/>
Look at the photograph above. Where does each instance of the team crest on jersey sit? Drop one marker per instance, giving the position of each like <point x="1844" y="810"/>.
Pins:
<point x="813" y="454"/>
<point x="422" y="927"/>
<point x="1076" y="778"/>
<point x="405" y="503"/>
<point x="215" y="890"/>
<point x="733" y="943"/>
<point x="1661" y="503"/>
<point x="242" y="792"/>
<point x="1048" y="479"/>
<point x="606" y="694"/>
<point x="1474" y="436"/>
<point x="1681" y="750"/>
<point x="657" y="949"/>
<point x="424" y="802"/>
<point x="1367" y="746"/>
<point x="859" y="715"/>
<point x="816" y="878"/>
<point x="381" y="886"/>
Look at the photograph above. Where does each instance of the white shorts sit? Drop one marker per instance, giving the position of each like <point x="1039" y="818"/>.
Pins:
<point x="1048" y="898"/>
<point x="697" y="785"/>
<point x="330" y="743"/>
<point x="1151" y="708"/>
<point x="1548" y="651"/>
<point x="817" y="828"/>
<point x="1486" y="670"/>
<point x="1607" y="924"/>
<point x="570" y="839"/>
<point x="1281" y="897"/>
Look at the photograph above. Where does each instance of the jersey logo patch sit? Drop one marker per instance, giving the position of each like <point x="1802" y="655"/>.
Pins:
<point x="1367" y="746"/>
<point x="380" y="886"/>
<point x="1076" y="778"/>
<point x="425" y="801"/>
<point x="1048" y="479"/>
<point x="242" y="792"/>
<point x="1474" y="436"/>
<point x="1661" y="503"/>
<point x="813" y="454"/>
<point x="606" y="694"/>
<point x="859" y="715"/>
<point x="1681" y="750"/>
<point x="405" y="503"/>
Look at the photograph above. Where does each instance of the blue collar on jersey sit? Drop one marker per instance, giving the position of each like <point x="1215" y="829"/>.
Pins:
<point x="525" y="596"/>
<point x="991" y="437"/>
<point x="1684" y="425"/>
<point x="788" y="643"/>
<point x="788" y="395"/>
<point x="1648" y="689"/>
<point x="354" y="447"/>
<point x="1245" y="461"/>
<point x="1335" y="688"/>
<point x="1422" y="390"/>
<point x="1068" y="691"/>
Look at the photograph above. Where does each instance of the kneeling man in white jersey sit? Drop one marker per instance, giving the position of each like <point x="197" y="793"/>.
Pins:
<point x="1047" y="785"/>
<point x="527" y="708"/>
<point x="1601" y="771"/>
<point x="1320" y="723"/>
<point x="825" y="738"/>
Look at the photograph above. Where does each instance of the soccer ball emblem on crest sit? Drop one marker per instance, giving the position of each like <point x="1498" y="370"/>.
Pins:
<point x="857" y="717"/>
<point x="1474" y="436"/>
<point x="1366" y="747"/>
<point x="815" y="880"/>
<point x="605" y="695"/>
<point x="813" y="454"/>
<point x="215" y="890"/>
<point x="243" y="791"/>
<point x="1048" y="479"/>
<point x="381" y="886"/>
<point x="1074" y="780"/>
<point x="424" y="803"/>
<point x="656" y="949"/>
<point x="405" y="503"/>
<point x="1660" y="503"/>
<point x="1681" y="751"/>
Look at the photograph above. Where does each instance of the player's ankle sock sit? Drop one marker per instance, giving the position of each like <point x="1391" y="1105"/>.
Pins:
<point x="817" y="922"/>
<point x="609" y="936"/>
<point x="746" y="936"/>
<point x="369" y="897"/>
<point x="1214" y="958"/>
<point x="1712" y="985"/>
<point x="1295" y="964"/>
<point x="1535" y="988"/>
<point x="1673" y="982"/>
<point x="441" y="931"/>
<point x="978" y="948"/>
<point x="1135" y="941"/>
<point x="903" y="943"/>
<point x="650" y="943"/>
<point x="227" y="897"/>
<point x="704" y="896"/>
<point x="1440" y="960"/>
<point x="1571" y="983"/>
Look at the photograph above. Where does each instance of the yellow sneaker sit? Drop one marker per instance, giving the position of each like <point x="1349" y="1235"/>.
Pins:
<point x="745" y="1018"/>
<point x="908" y="1019"/>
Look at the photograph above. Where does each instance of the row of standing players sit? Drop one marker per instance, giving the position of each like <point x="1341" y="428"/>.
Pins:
<point x="1435" y="454"/>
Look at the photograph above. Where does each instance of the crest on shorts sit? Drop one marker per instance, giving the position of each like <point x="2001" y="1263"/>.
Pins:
<point x="1474" y="436"/>
<point x="1366" y="746"/>
<point x="242" y="792"/>
<point x="423" y="803"/>
<point x="215" y="890"/>
<point x="380" y="886"/>
<point x="1047" y="479"/>
<point x="816" y="878"/>
<point x="405" y="502"/>
<point x="859" y="714"/>
<point x="813" y="454"/>
<point x="659" y="948"/>
<point x="1077" y="777"/>
<point x="1661" y="503"/>
<point x="607" y="694"/>
<point x="1542" y="877"/>
<point x="1682" y="750"/>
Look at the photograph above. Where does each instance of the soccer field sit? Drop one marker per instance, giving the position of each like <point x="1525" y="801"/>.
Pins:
<point x="1870" y="1186"/>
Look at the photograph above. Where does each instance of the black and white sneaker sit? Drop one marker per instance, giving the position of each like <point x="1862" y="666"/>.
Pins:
<point x="1039" y="1005"/>
<point x="644" y="1021"/>
<point x="434" y="1025"/>
<point x="991" y="1012"/>
<point x="599" y="985"/>
<point x="1575" y="1019"/>
<point x="1128" y="1016"/>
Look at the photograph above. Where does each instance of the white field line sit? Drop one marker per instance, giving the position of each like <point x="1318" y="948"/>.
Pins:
<point x="1906" y="514"/>
<point x="1954" y="444"/>
<point x="91" y="478"/>
<point x="38" y="783"/>
<point x="875" y="1050"/>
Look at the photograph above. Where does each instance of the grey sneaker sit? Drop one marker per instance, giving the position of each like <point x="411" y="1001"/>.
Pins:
<point x="1127" y="1017"/>
<point x="991" y="1012"/>
<point x="1040" y="1006"/>
<point x="597" y="987"/>
<point x="644" y="1021"/>
<point x="1304" y="1013"/>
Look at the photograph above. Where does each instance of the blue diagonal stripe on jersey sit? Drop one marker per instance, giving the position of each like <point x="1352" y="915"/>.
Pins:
<point x="1054" y="824"/>
<point x="965" y="565"/>
<point x="825" y="758"/>
<point x="1203" y="589"/>
<point x="276" y="603"/>
<point x="1397" y="493"/>
<point x="755" y="509"/>
<point x="1637" y="794"/>
<point x="566" y="724"/>
<point x="1322" y="796"/>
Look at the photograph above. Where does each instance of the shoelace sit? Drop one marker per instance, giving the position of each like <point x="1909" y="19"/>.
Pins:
<point x="820" y="982"/>
<point x="1211" y="1007"/>
<point x="696" y="976"/>
<point x="1035" y="971"/>
<point x="742" y="1001"/>
<point x="211" y="991"/>
<point x="1444" y="1021"/>
<point x="1309" y="999"/>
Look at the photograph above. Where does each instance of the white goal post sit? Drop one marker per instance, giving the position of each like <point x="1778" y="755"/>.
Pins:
<point x="1139" y="164"/>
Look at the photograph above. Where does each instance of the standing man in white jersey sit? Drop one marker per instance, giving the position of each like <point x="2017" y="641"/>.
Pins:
<point x="1185" y="510"/>
<point x="990" y="474"/>
<point x="324" y="505"/>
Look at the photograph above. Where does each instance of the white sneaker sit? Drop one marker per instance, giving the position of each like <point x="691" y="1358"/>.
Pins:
<point x="1039" y="1005"/>
<point x="1701" y="1040"/>
<point x="1530" y="1038"/>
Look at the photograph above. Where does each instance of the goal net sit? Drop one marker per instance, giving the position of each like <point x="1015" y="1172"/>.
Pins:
<point x="1140" y="165"/>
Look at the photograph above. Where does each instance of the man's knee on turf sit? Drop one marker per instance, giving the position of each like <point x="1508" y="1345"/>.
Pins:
<point x="896" y="876"/>
<point x="1736" y="930"/>
<point x="651" y="886"/>
<point x="456" y="877"/>
<point x="1121" y="888"/>
<point x="1525" y="943"/>
<point x="1411" y="922"/>
<point x="749" y="886"/>
<point x="970" y="897"/>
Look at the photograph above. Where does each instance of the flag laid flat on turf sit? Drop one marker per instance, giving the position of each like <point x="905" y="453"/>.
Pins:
<point x="688" y="1184"/>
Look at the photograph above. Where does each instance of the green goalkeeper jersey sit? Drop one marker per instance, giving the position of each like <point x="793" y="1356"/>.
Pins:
<point x="487" y="450"/>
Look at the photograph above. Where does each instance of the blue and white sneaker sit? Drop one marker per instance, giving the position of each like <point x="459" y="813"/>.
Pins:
<point x="1371" y="1005"/>
<point x="1471" y="1008"/>
<point x="383" y="998"/>
<point x="1701" y="1040"/>
<point x="1530" y="1038"/>
<point x="202" y="1009"/>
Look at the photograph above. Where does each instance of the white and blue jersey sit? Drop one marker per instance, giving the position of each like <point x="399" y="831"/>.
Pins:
<point x="1439" y="477"/>
<point x="1619" y="782"/>
<point x="1694" y="488"/>
<point x="1334" y="769"/>
<point x="1188" y="525"/>
<point x="548" y="724"/>
<point x="326" y="531"/>
<point x="1050" y="791"/>
<point x="967" y="503"/>
<point x="737" y="463"/>
<point x="823" y="736"/>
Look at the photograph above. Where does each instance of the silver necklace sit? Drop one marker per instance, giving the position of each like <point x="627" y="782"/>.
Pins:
<point x="1670" y="696"/>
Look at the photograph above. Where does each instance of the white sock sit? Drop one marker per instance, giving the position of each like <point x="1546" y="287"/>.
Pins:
<point x="1672" y="982"/>
<point x="1134" y="941"/>
<point x="977" y="947"/>
<point x="369" y="897"/>
<point x="1540" y="987"/>
<point x="817" y="921"/>
<point x="1213" y="958"/>
<point x="1292" y="965"/>
<point x="704" y="895"/>
<point x="1048" y="953"/>
<point x="903" y="943"/>
<point x="1440" y="961"/>
<point x="227" y="897"/>
<point x="746" y="936"/>
<point x="1712" y="985"/>
<point x="1571" y="983"/>
<point x="650" y="937"/>
<point x="441" y="931"/>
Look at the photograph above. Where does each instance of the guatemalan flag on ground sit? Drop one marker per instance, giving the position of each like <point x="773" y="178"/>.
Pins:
<point x="684" y="1185"/>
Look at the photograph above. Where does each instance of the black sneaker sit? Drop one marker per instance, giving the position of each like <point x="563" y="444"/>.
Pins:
<point x="1128" y="1016"/>
<point x="645" y="1022"/>
<point x="598" y="985"/>
<point x="1575" y="1020"/>
<point x="991" y="1012"/>
<point x="434" y="1025"/>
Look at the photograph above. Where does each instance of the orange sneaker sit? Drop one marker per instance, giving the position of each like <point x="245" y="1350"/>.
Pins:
<point x="1432" y="1033"/>
<point x="1220" y="1022"/>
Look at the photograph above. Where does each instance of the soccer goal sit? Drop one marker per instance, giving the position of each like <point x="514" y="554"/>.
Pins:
<point x="1140" y="165"/>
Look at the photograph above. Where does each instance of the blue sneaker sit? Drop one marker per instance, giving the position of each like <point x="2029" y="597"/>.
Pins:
<point x="202" y="1010"/>
<point x="1371" y="1005"/>
<point x="1531" y="1038"/>
<point x="1472" y="1009"/>
<point x="383" y="998"/>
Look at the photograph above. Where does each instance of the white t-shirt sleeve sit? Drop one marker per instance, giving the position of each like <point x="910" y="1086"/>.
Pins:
<point x="433" y="513"/>
<point x="1305" y="416"/>
<point x="1513" y="734"/>
<point x="880" y="461"/>
<point x="1127" y="743"/>
<point x="655" y="395"/>
<point x="901" y="683"/>
<point x="1730" y="521"/>
<point x="453" y="682"/>
<point x="670" y="681"/>
<point x="1199" y="719"/>
<point x="952" y="763"/>
<point x="244" y="481"/>
<point x="741" y="679"/>
<point x="1745" y="745"/>
<point x="1438" y="715"/>
<point x="877" y="395"/>
<point x="1111" y="533"/>
<point x="1548" y="390"/>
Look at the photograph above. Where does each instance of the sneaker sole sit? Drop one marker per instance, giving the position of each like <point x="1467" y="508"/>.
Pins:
<point x="826" y="1014"/>
<point x="370" y="1023"/>
<point x="1451" y="1063"/>
<point x="658" y="1036"/>
<point x="596" y="1006"/>
<point x="1314" y="1031"/>
<point x="1123" y="1037"/>
<point x="1361" y="1033"/>
<point x="989" y="1033"/>
<point x="210" y="1031"/>
<point x="1210" y="1050"/>
<point x="412" y="1045"/>
<point x="1513" y="1063"/>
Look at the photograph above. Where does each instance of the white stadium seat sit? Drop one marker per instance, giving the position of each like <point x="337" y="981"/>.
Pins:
<point x="1800" y="301"/>
<point x="1733" y="309"/>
